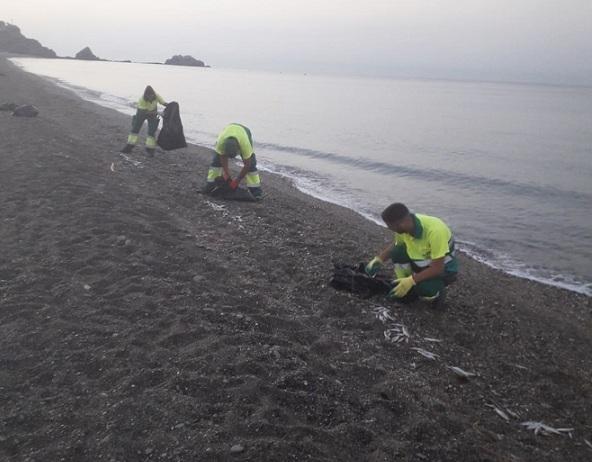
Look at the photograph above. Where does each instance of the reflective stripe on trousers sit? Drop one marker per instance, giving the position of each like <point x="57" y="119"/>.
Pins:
<point x="252" y="178"/>
<point x="132" y="138"/>
<point x="151" y="142"/>
<point x="213" y="173"/>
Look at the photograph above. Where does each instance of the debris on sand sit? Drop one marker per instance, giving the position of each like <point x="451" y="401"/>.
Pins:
<point x="432" y="340"/>
<point x="461" y="372"/>
<point x="503" y="414"/>
<point x="383" y="314"/>
<point x="135" y="163"/>
<point x="237" y="449"/>
<point x="543" y="429"/>
<point x="216" y="207"/>
<point x="26" y="110"/>
<point x="397" y="333"/>
<point x="426" y="354"/>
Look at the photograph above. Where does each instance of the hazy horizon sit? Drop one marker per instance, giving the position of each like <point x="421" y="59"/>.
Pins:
<point x="545" y="41"/>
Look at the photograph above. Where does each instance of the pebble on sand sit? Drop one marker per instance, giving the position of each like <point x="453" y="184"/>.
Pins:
<point x="236" y="449"/>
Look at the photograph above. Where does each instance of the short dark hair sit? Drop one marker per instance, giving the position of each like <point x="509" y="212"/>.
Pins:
<point x="394" y="212"/>
<point x="231" y="147"/>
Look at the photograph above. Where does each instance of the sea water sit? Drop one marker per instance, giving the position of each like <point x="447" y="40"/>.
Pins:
<point x="507" y="166"/>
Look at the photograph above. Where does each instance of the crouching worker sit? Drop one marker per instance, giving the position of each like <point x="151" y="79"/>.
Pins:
<point x="235" y="140"/>
<point x="146" y="110"/>
<point x="422" y="252"/>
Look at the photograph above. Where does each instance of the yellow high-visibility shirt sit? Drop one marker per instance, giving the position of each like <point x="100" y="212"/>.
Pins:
<point x="432" y="240"/>
<point x="150" y="106"/>
<point x="242" y="134"/>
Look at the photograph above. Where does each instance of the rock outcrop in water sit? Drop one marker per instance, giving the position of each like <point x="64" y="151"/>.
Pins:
<point x="180" y="60"/>
<point x="13" y="41"/>
<point x="86" y="54"/>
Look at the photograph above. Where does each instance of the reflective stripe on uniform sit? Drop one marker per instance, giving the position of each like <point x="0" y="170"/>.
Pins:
<point x="213" y="173"/>
<point x="426" y="263"/>
<point x="151" y="142"/>
<point x="402" y="270"/>
<point x="253" y="180"/>
<point x="132" y="138"/>
<point x="422" y="263"/>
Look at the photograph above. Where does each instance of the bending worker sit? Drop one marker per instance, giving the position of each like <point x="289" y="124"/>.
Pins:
<point x="235" y="139"/>
<point x="146" y="110"/>
<point x="423" y="254"/>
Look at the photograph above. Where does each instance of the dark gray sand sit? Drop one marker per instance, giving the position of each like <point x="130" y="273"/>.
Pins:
<point x="140" y="321"/>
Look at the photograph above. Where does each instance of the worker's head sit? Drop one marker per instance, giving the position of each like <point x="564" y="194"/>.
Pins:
<point x="231" y="148"/>
<point x="149" y="93"/>
<point x="398" y="219"/>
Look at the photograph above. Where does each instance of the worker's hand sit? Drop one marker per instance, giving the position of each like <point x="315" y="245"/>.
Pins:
<point x="402" y="288"/>
<point x="234" y="184"/>
<point x="373" y="267"/>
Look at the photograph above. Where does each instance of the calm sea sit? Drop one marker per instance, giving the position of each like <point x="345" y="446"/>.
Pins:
<point x="508" y="166"/>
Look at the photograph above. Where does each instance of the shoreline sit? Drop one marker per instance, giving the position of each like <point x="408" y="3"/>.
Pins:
<point x="140" y="320"/>
<point x="504" y="263"/>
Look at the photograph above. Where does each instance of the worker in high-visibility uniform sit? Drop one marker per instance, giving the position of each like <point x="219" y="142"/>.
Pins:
<point x="423" y="253"/>
<point x="235" y="139"/>
<point x="145" y="110"/>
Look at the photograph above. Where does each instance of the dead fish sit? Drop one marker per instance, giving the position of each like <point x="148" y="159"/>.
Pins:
<point x="135" y="163"/>
<point x="499" y="412"/>
<point x="216" y="207"/>
<point x="112" y="167"/>
<point x="588" y="443"/>
<point x="426" y="354"/>
<point x="383" y="314"/>
<point x="543" y="429"/>
<point x="433" y="340"/>
<point x="397" y="334"/>
<point x="461" y="372"/>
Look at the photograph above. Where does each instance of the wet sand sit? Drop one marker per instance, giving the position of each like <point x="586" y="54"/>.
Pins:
<point x="141" y="321"/>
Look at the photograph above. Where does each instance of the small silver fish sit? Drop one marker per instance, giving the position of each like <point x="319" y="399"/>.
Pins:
<point x="543" y="429"/>
<point x="426" y="354"/>
<point x="499" y="412"/>
<point x="461" y="372"/>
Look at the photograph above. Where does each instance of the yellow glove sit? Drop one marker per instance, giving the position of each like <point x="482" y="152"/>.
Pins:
<point x="373" y="267"/>
<point x="404" y="285"/>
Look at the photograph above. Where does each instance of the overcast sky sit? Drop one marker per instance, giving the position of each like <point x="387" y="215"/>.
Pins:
<point x="517" y="40"/>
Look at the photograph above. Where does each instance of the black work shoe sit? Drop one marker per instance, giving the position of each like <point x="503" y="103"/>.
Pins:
<point x="257" y="193"/>
<point x="127" y="148"/>
<point x="208" y="188"/>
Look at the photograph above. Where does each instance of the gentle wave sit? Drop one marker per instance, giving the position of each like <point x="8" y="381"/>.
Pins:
<point x="475" y="182"/>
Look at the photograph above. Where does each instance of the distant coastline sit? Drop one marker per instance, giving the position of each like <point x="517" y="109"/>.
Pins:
<point x="13" y="41"/>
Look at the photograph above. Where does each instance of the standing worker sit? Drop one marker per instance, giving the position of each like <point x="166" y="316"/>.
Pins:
<point x="235" y="139"/>
<point x="423" y="253"/>
<point x="146" y="110"/>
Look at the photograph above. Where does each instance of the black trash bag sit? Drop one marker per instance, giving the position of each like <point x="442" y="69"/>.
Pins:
<point x="222" y="190"/>
<point x="171" y="135"/>
<point x="26" y="111"/>
<point x="355" y="280"/>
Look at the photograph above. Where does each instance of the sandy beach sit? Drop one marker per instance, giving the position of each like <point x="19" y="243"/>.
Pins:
<point x="143" y="321"/>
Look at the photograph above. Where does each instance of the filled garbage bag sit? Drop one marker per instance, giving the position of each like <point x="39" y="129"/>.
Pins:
<point x="26" y="111"/>
<point x="221" y="189"/>
<point x="171" y="135"/>
<point x="354" y="279"/>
